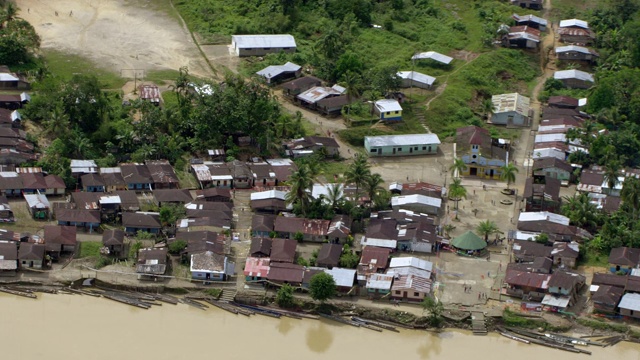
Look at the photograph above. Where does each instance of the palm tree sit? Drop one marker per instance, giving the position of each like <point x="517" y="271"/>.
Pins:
<point x="335" y="194"/>
<point x="581" y="211"/>
<point x="448" y="229"/>
<point x="457" y="192"/>
<point x="58" y="123"/>
<point x="301" y="182"/>
<point x="611" y="174"/>
<point x="373" y="185"/>
<point x="358" y="173"/>
<point x="630" y="195"/>
<point x="487" y="228"/>
<point x="352" y="82"/>
<point x="457" y="167"/>
<point x="508" y="174"/>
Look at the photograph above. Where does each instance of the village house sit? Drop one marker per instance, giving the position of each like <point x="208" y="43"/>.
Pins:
<point x="283" y="168"/>
<point x="33" y="183"/>
<point x="563" y="288"/>
<point x="256" y="269"/>
<point x="59" y="240"/>
<point x="274" y="74"/>
<point x="172" y="197"/>
<point x="12" y="81"/>
<point x="630" y="305"/>
<point x="128" y="200"/>
<point x="136" y="176"/>
<point x="85" y="200"/>
<point x="379" y="285"/>
<point x="263" y="174"/>
<point x="381" y="233"/>
<point x="624" y="259"/>
<point x="262" y="225"/>
<point x="332" y="106"/>
<point x="553" y="112"/>
<point x="14" y="101"/>
<point x="151" y="263"/>
<point x="541" y="265"/>
<point x="555" y="226"/>
<point x="298" y="86"/>
<point x="54" y="185"/>
<point x="6" y="214"/>
<point x="113" y="240"/>
<point x="112" y="179"/>
<point x="209" y="266"/>
<point x="9" y="258"/>
<point x="339" y="229"/>
<point x="260" y="45"/>
<point x="523" y="37"/>
<point x="372" y="260"/>
<point x="162" y="174"/>
<point x="283" y="250"/>
<point x="528" y="251"/>
<point x="553" y="168"/>
<point x="215" y="224"/>
<point x="329" y="256"/>
<point x="563" y="102"/>
<point x="388" y="110"/>
<point x="200" y="241"/>
<point x="311" y="144"/>
<point x="150" y="93"/>
<point x="88" y="219"/>
<point x="141" y="221"/>
<point x="433" y="56"/>
<point x="417" y="203"/>
<point x="270" y="201"/>
<point x="526" y="285"/>
<point x="565" y="254"/>
<point x="574" y="31"/>
<point x="482" y="155"/>
<point x="606" y="299"/>
<point x="412" y="278"/>
<point x="531" y="21"/>
<point x="10" y="118"/>
<point x="217" y="154"/>
<point x="528" y="4"/>
<point x="242" y="176"/>
<point x="511" y="110"/>
<point x="260" y="247"/>
<point x="576" y="53"/>
<point x="31" y="255"/>
<point x="542" y="194"/>
<point x="38" y="206"/>
<point x="311" y="97"/>
<point x="410" y="79"/>
<point x="213" y="195"/>
<point x="312" y="229"/>
<point x="285" y="273"/>
<point x="222" y="210"/>
<point x="575" y="79"/>
<point x="401" y="145"/>
<point x="558" y="125"/>
<point x="81" y="167"/>
<point x="344" y="278"/>
<point x="213" y="175"/>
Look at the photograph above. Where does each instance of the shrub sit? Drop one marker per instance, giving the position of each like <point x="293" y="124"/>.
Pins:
<point x="284" y="297"/>
<point x="177" y="246"/>
<point x="214" y="293"/>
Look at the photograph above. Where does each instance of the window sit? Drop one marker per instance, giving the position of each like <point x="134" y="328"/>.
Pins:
<point x="415" y="148"/>
<point x="266" y="49"/>
<point x="424" y="148"/>
<point x="416" y="294"/>
<point x="399" y="149"/>
<point x="397" y="292"/>
<point x="374" y="150"/>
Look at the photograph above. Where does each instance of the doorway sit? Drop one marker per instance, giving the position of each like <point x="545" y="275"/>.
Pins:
<point x="473" y="171"/>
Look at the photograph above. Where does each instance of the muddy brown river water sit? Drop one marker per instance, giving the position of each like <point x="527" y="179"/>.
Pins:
<point x="56" y="327"/>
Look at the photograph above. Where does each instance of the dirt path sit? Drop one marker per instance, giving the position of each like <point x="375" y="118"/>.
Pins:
<point x="116" y="34"/>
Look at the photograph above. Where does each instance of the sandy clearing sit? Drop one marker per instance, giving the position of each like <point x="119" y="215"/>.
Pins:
<point x="116" y="34"/>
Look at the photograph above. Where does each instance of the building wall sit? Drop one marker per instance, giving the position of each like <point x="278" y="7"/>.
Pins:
<point x="574" y="56"/>
<point x="481" y="166"/>
<point x="422" y="247"/>
<point x="377" y="291"/>
<point x="261" y="51"/>
<point x="423" y="208"/>
<point x="139" y="187"/>
<point x="576" y="83"/>
<point x="554" y="173"/>
<point x="202" y="275"/>
<point x="631" y="313"/>
<point x="411" y="295"/>
<point x="37" y="264"/>
<point x="576" y="39"/>
<point x="58" y="191"/>
<point x="422" y="149"/>
<point x="99" y="188"/>
<point x="509" y="118"/>
<point x="406" y="83"/>
<point x="133" y="230"/>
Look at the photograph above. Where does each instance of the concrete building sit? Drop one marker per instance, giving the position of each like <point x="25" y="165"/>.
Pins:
<point x="388" y="110"/>
<point x="402" y="145"/>
<point x="259" y="45"/>
<point x="483" y="155"/>
<point x="630" y="305"/>
<point x="511" y="110"/>
<point x="576" y="53"/>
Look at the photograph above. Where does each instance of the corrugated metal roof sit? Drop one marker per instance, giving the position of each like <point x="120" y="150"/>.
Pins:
<point x="557" y="301"/>
<point x="379" y="281"/>
<point x="343" y="277"/>
<point x="269" y="194"/>
<point x="258" y="267"/>
<point x="385" y="105"/>
<point x="417" y="77"/>
<point x="390" y="244"/>
<point x="510" y="102"/>
<point x="630" y="302"/>
<point x="263" y="41"/>
<point x="573" y="74"/>
<point x="415" y="199"/>
<point x="572" y="48"/>
<point x="574" y="23"/>
<point x="531" y="18"/>
<point x="402" y="140"/>
<point x="411" y="261"/>
<point x="433" y="56"/>
<point x="83" y="164"/>
<point x="38" y="201"/>
<point x="275" y="70"/>
<point x="544" y="216"/>
<point x="8" y="77"/>
<point x="318" y="93"/>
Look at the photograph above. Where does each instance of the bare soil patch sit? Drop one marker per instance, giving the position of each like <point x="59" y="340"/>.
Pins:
<point x="115" y="34"/>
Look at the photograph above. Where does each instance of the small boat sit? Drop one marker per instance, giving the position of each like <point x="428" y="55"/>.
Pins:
<point x="513" y="337"/>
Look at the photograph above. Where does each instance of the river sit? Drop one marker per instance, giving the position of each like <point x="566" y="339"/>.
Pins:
<point x="56" y="327"/>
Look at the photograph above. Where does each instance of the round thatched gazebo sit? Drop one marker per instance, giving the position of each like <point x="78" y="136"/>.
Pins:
<point x="469" y="242"/>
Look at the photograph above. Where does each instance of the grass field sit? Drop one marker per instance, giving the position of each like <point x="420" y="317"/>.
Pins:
<point x="65" y="65"/>
<point x="89" y="249"/>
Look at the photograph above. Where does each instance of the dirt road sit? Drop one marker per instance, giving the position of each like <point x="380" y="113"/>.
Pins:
<point x="115" y="34"/>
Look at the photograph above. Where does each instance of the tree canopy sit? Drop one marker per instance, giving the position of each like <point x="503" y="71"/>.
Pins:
<point x="322" y="287"/>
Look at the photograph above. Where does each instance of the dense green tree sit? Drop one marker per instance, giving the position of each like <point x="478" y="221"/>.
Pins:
<point x="581" y="211"/>
<point x="486" y="228"/>
<point x="284" y="296"/>
<point x="322" y="287"/>
<point x="434" y="309"/>
<point x="177" y="246"/>
<point x="630" y="195"/>
<point x="458" y="167"/>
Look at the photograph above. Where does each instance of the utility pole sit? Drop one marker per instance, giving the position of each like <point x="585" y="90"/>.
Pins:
<point x="136" y="73"/>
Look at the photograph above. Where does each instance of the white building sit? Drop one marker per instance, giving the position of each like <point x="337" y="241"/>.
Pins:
<point x="259" y="45"/>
